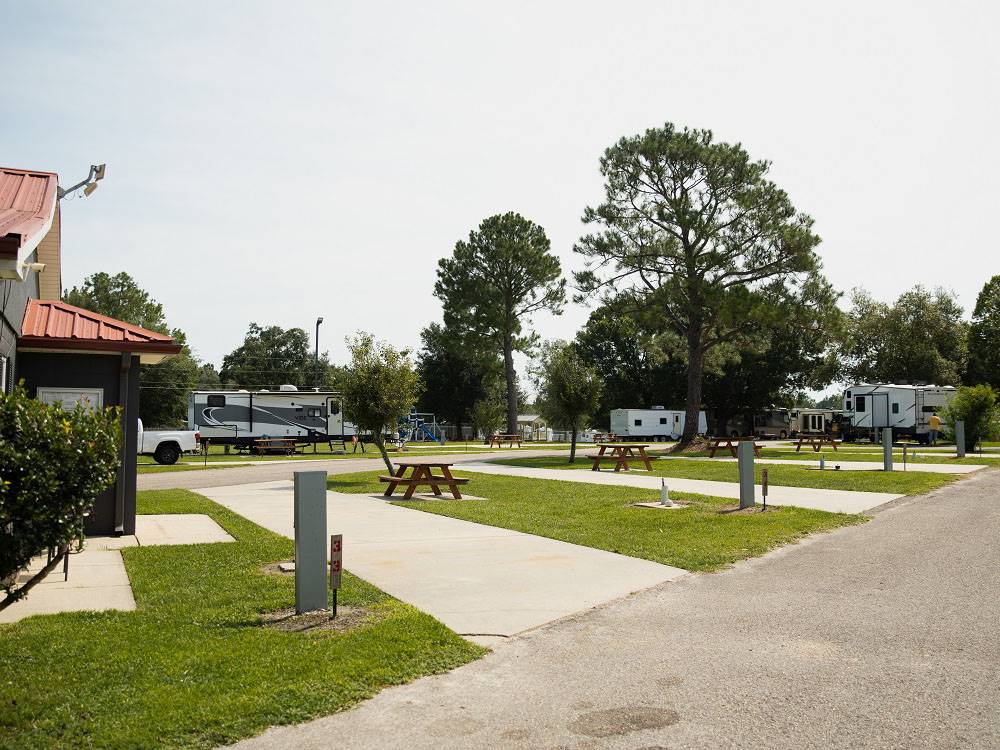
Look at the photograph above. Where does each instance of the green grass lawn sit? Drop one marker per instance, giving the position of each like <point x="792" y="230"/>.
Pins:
<point x="192" y="667"/>
<point x="903" y="483"/>
<point x="846" y="455"/>
<point x="702" y="537"/>
<point x="154" y="468"/>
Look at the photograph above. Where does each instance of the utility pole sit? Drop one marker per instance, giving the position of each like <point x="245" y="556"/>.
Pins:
<point x="316" y="360"/>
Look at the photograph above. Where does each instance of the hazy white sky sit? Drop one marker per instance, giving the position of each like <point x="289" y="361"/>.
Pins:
<point x="273" y="162"/>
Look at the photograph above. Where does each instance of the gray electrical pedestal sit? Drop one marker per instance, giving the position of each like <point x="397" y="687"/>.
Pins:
<point x="887" y="448"/>
<point x="960" y="439"/>
<point x="744" y="456"/>
<point x="310" y="541"/>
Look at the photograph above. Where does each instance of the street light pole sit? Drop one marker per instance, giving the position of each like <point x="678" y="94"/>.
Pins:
<point x="316" y="361"/>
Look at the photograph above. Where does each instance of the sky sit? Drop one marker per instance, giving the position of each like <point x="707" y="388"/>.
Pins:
<point x="275" y="162"/>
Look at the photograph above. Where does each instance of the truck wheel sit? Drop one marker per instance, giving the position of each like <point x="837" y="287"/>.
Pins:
<point x="167" y="454"/>
<point x="783" y="435"/>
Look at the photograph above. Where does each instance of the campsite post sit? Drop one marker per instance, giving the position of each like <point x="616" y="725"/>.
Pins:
<point x="745" y="459"/>
<point x="960" y="439"/>
<point x="887" y="449"/>
<point x="310" y="541"/>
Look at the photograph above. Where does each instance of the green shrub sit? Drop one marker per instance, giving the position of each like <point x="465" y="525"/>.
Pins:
<point x="53" y="465"/>
<point x="978" y="407"/>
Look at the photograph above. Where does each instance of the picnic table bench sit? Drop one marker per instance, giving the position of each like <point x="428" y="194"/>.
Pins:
<point x="728" y="442"/>
<point x="816" y="441"/>
<point x="509" y="439"/>
<point x="422" y="473"/>
<point x="621" y="455"/>
<point x="284" y="446"/>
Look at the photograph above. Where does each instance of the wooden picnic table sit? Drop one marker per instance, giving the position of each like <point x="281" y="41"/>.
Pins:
<point x="621" y="454"/>
<point x="285" y="446"/>
<point x="509" y="439"/>
<point x="728" y="442"/>
<point x="422" y="473"/>
<point x="816" y="441"/>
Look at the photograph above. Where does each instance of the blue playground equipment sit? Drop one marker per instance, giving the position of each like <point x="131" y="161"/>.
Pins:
<point x="420" y="426"/>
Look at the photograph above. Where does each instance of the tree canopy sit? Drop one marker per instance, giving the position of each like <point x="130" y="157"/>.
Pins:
<point x="454" y="373"/>
<point x="494" y="282"/>
<point x="164" y="387"/>
<point x="919" y="338"/>
<point x="984" y="337"/>
<point x="693" y="228"/>
<point x="271" y="356"/>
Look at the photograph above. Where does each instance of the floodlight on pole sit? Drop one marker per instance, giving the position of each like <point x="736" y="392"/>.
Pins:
<point x="89" y="183"/>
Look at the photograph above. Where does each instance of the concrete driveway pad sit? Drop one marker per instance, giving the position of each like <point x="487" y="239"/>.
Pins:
<point x="478" y="580"/>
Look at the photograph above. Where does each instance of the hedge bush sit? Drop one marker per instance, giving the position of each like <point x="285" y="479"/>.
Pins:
<point x="53" y="465"/>
<point x="979" y="407"/>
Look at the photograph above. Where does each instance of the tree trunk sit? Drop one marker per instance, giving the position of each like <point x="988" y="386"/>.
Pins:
<point x="572" y="444"/>
<point x="511" y="376"/>
<point x="694" y="377"/>
<point x="379" y="440"/>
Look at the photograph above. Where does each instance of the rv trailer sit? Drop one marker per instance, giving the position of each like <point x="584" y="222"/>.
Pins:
<point x="237" y="417"/>
<point x="809" y="421"/>
<point x="870" y="407"/>
<point x="657" y="423"/>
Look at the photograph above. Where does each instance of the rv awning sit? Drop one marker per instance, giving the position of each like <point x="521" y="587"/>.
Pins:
<point x="27" y="206"/>
<point x="50" y="325"/>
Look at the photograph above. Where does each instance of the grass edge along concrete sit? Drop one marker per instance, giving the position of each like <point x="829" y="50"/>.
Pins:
<point x="192" y="666"/>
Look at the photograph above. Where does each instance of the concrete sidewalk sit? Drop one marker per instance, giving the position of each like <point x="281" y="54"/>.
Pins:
<point x="478" y="580"/>
<point x="831" y="461"/>
<point x="835" y="501"/>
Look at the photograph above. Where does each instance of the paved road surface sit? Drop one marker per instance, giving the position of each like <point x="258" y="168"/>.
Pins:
<point x="878" y="636"/>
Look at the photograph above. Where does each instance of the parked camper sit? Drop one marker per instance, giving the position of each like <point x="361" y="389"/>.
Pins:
<point x="870" y="407"/>
<point x="816" y="422"/>
<point x="773" y="423"/>
<point x="237" y="417"/>
<point x="656" y="423"/>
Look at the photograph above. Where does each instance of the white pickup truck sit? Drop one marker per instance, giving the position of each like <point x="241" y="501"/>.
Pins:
<point x="166" y="446"/>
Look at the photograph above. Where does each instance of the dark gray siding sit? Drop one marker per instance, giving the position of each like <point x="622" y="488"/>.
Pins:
<point x="41" y="370"/>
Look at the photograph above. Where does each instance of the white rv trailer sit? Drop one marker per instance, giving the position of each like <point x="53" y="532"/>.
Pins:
<point x="656" y="423"/>
<point x="870" y="407"/>
<point x="237" y="417"/>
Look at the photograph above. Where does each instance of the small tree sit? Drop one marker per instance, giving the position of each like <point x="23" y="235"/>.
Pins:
<point x="984" y="337"/>
<point x="978" y="407"/>
<point x="490" y="412"/>
<point x="53" y="465"/>
<point x="569" y="390"/>
<point x="493" y="283"/>
<point x="379" y="386"/>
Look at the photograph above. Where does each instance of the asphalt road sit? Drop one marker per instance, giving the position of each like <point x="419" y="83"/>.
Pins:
<point x="883" y="635"/>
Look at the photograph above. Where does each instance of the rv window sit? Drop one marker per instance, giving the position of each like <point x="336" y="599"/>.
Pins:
<point x="895" y="408"/>
<point x="216" y="400"/>
<point x="638" y="423"/>
<point x="859" y="403"/>
<point x="848" y="406"/>
<point x="677" y="417"/>
<point x="334" y="407"/>
<point x="314" y="412"/>
<point x="663" y="420"/>
<point x="848" y="394"/>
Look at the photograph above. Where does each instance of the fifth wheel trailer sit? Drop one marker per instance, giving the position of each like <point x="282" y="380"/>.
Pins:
<point x="656" y="423"/>
<point x="870" y="407"/>
<point x="237" y="417"/>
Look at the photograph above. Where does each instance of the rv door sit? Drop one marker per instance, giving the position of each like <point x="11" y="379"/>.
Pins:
<point x="334" y="417"/>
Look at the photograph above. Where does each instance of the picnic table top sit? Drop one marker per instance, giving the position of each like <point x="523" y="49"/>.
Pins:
<point x="505" y="436"/>
<point x="425" y="463"/>
<point x="628" y="445"/>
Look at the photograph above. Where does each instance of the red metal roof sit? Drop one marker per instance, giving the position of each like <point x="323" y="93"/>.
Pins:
<point x="50" y="324"/>
<point x="27" y="203"/>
